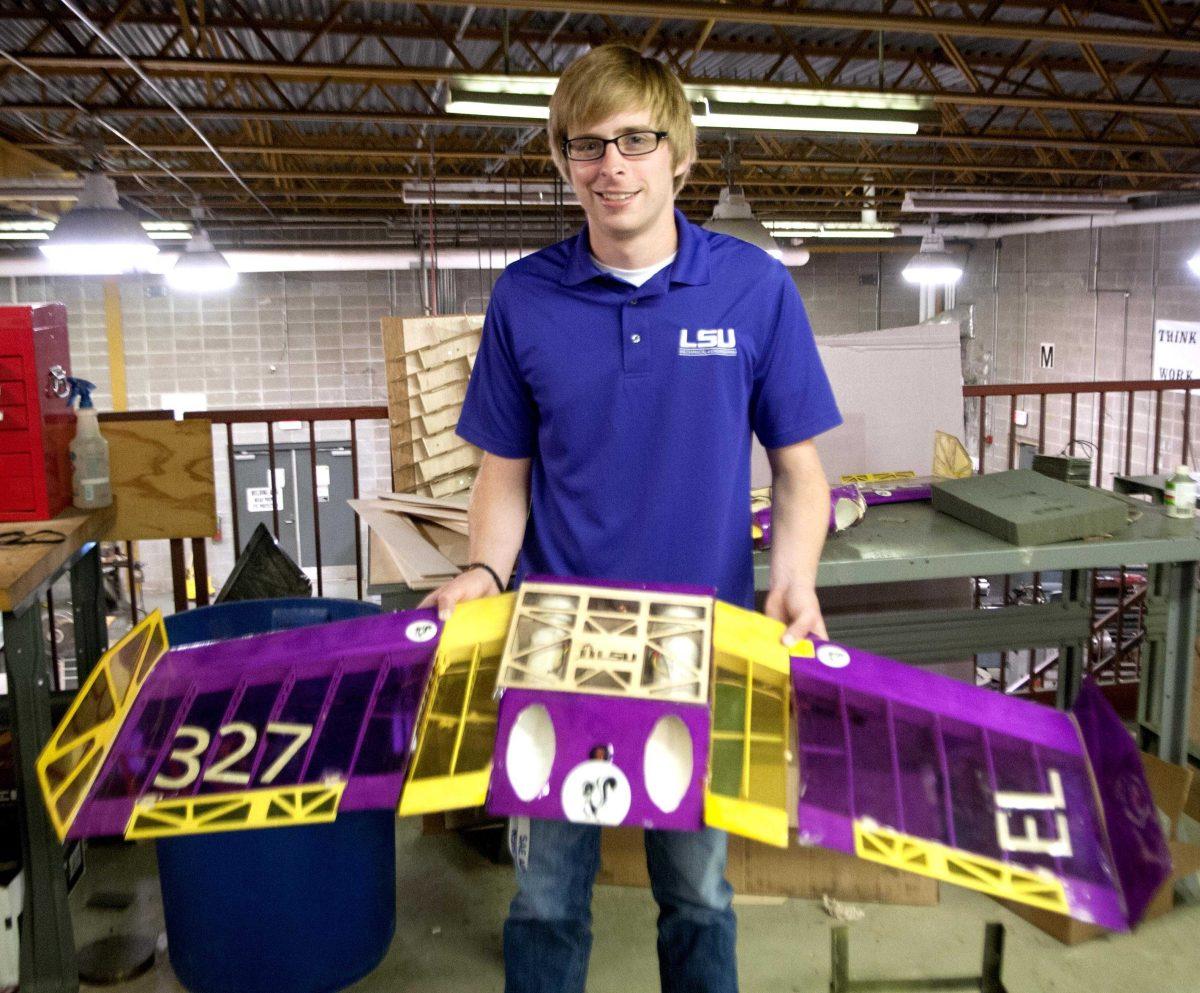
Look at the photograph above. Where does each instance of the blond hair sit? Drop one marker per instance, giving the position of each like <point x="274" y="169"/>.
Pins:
<point x="613" y="78"/>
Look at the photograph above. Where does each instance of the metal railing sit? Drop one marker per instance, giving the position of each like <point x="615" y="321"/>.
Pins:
<point x="1160" y="399"/>
<point x="226" y="424"/>
<point x="1066" y="417"/>
<point x="1125" y="427"/>
<point x="269" y="419"/>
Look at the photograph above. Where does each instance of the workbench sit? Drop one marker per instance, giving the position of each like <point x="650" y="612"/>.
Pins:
<point x="48" y="962"/>
<point x="910" y="541"/>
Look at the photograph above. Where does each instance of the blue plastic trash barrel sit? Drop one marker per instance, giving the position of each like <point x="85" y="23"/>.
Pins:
<point x="277" y="910"/>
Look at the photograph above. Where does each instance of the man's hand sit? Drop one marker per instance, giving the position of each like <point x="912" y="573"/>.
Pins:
<point x="469" y="585"/>
<point x="796" y="605"/>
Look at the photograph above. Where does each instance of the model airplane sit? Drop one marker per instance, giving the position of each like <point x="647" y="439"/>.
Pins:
<point x="651" y="706"/>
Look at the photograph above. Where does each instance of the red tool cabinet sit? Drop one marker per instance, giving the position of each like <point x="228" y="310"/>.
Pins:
<point x="36" y="425"/>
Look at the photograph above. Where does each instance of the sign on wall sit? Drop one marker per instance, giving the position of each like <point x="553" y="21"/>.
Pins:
<point x="1176" y="350"/>
<point x="1046" y="355"/>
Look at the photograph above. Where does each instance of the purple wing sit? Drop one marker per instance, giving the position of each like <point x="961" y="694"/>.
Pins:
<point x="335" y="703"/>
<point x="965" y="784"/>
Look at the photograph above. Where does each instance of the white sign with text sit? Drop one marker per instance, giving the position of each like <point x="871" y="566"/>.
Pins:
<point x="1176" y="350"/>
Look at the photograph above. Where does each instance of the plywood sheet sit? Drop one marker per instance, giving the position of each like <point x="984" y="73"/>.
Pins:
<point x="456" y="504"/>
<point x="450" y="541"/>
<point x="419" y="563"/>
<point x="382" y="568"/>
<point x="428" y="362"/>
<point x="162" y="478"/>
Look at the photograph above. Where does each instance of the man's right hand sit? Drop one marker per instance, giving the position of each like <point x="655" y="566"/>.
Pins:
<point x="469" y="585"/>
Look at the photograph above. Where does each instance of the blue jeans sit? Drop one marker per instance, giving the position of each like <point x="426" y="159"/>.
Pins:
<point x="548" y="934"/>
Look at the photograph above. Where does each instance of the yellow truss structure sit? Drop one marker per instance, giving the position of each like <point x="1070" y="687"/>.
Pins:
<point x="976" y="872"/>
<point x="751" y="726"/>
<point x="456" y="732"/>
<point x="72" y="759"/>
<point x="281" y="806"/>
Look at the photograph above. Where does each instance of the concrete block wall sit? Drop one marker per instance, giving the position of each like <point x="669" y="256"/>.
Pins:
<point x="276" y="340"/>
<point x="1095" y="295"/>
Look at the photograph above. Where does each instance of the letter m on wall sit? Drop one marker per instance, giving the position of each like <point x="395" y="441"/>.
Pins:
<point x="1046" y="355"/>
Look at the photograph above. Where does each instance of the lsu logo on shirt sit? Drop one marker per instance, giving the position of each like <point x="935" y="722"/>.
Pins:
<point x="707" y="341"/>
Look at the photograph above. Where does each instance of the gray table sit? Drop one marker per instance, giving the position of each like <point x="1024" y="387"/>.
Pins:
<point x="48" y="962"/>
<point x="910" y="541"/>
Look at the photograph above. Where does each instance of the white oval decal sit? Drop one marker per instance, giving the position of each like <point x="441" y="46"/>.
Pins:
<point x="833" y="656"/>
<point x="530" y="753"/>
<point x="596" y="792"/>
<point x="668" y="763"/>
<point x="421" y="631"/>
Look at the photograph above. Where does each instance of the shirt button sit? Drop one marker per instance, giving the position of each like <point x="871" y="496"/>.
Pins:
<point x="636" y="338"/>
<point x="633" y="302"/>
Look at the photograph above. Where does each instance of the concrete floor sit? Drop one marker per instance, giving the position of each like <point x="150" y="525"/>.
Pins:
<point x="451" y="903"/>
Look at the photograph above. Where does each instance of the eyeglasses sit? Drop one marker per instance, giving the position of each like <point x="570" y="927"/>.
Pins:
<point x="631" y="144"/>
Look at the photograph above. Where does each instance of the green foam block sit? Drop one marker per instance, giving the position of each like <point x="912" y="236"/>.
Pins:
<point x="1026" y="508"/>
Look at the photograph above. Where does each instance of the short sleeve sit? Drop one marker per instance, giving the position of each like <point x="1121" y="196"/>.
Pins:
<point x="792" y="400"/>
<point x="498" y="414"/>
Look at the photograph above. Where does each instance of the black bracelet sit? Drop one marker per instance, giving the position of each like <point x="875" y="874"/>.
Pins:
<point x="489" y="570"/>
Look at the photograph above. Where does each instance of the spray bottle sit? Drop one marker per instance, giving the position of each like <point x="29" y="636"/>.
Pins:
<point x="90" y="482"/>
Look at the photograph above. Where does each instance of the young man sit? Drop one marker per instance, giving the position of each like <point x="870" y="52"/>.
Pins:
<point x="618" y="380"/>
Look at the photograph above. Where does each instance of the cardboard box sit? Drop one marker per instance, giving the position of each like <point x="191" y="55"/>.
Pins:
<point x="762" y="870"/>
<point x="1172" y="789"/>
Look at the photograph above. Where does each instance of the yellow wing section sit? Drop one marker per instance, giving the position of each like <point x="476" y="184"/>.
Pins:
<point x="751" y="726"/>
<point x="452" y="762"/>
<point x="71" y="760"/>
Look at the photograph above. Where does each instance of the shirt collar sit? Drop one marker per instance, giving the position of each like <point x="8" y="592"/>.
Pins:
<point x="690" y="266"/>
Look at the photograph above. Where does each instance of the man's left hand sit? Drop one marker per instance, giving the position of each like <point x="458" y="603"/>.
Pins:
<point x="796" y="605"/>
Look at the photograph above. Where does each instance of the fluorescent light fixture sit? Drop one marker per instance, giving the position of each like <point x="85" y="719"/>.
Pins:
<point x="782" y="117"/>
<point x="481" y="82"/>
<point x="1194" y="262"/>
<point x="168" y="230"/>
<point x="916" y="201"/>
<point x="97" y="234"/>
<point x="933" y="265"/>
<point x="733" y="216"/>
<point x="44" y="226"/>
<point x="200" y="268"/>
<point x="795" y="96"/>
<point x="518" y="105"/>
<point x="156" y="229"/>
<point x="829" y="229"/>
<point x="774" y="108"/>
<point x="487" y="193"/>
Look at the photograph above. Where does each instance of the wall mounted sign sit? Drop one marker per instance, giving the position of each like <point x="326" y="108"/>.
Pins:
<point x="1176" y="352"/>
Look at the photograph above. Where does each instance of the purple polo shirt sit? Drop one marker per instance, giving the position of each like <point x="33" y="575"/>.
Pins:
<point x="636" y="405"/>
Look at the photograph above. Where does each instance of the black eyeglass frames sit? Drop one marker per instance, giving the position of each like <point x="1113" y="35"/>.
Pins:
<point x="631" y="144"/>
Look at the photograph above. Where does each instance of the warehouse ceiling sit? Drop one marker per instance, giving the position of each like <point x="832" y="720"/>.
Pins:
<point x="299" y="121"/>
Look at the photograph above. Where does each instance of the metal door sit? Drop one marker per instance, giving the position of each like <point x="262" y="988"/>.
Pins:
<point x="294" y="499"/>
<point x="252" y="486"/>
<point x="335" y="485"/>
